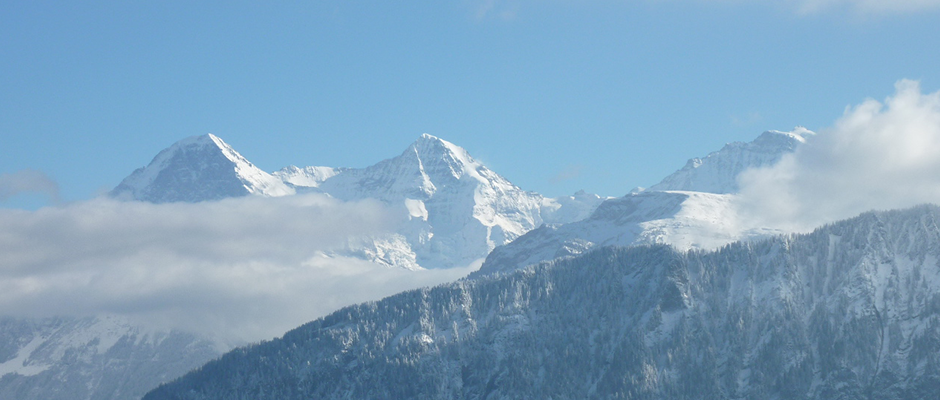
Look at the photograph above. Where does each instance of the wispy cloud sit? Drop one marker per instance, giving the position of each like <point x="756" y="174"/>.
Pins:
<point x="570" y="172"/>
<point x="748" y="120"/>
<point x="508" y="9"/>
<point x="250" y="268"/>
<point x="28" y="181"/>
<point x="866" y="7"/>
<point x="876" y="156"/>
<point x="495" y="9"/>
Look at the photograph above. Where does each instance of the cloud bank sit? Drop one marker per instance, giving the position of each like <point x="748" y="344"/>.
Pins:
<point x="247" y="268"/>
<point x="876" y="156"/>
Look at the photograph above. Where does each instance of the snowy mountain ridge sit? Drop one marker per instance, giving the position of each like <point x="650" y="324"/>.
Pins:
<point x="456" y="210"/>
<point x="693" y="208"/>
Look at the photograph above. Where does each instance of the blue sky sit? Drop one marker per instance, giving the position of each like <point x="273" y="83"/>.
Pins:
<point x="554" y="95"/>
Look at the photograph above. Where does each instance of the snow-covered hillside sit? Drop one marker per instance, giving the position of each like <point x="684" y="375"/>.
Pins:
<point x="846" y="312"/>
<point x="93" y="358"/>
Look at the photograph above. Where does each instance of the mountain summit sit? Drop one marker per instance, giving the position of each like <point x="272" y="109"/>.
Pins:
<point x="717" y="172"/>
<point x="196" y="169"/>
<point x="457" y="209"/>
<point x="426" y="166"/>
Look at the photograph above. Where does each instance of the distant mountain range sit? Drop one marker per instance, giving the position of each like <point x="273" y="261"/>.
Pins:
<point x="457" y="211"/>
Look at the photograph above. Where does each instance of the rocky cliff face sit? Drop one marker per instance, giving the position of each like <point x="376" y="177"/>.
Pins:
<point x="850" y="311"/>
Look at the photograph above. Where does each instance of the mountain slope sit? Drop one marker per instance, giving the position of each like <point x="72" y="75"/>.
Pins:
<point x="717" y="172"/>
<point x="196" y="169"/>
<point x="685" y="220"/>
<point x="92" y="358"/>
<point x="848" y="311"/>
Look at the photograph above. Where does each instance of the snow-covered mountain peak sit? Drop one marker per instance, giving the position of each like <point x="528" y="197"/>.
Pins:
<point x="717" y="172"/>
<point x="442" y="159"/>
<point x="196" y="169"/>
<point x="781" y="138"/>
<point x="457" y="209"/>
<point x="424" y="167"/>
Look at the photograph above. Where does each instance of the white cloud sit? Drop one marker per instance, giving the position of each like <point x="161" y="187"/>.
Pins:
<point x="867" y="6"/>
<point x="246" y="268"/>
<point x="876" y="156"/>
<point x="28" y="181"/>
<point x="499" y="9"/>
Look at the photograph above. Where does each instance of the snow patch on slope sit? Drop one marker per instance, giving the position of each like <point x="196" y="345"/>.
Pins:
<point x="21" y="364"/>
